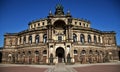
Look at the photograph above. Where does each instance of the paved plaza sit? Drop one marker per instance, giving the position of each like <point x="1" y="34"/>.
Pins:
<point x="61" y="67"/>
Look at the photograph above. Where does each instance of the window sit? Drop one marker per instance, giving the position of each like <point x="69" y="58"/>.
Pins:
<point x="59" y="38"/>
<point x="82" y="39"/>
<point x="31" y="26"/>
<point x="20" y="40"/>
<point x="83" y="52"/>
<point x="80" y="23"/>
<point x="90" y="52"/>
<point x="45" y="52"/>
<point x="68" y="46"/>
<point x="75" y="23"/>
<point x="89" y="39"/>
<point x="84" y="24"/>
<point x="44" y="38"/>
<point x="95" y="39"/>
<point x="43" y="23"/>
<point x="30" y="39"/>
<point x="24" y="40"/>
<point x="74" y="37"/>
<point x="36" y="53"/>
<point x="51" y="46"/>
<point x="99" y="39"/>
<point x="37" y="39"/>
<point x="23" y="53"/>
<point x="29" y="53"/>
<point x="109" y="41"/>
<point x="34" y="25"/>
<point x="87" y="25"/>
<point x="38" y="24"/>
<point x="75" y="52"/>
<point x="101" y="53"/>
<point x="96" y="52"/>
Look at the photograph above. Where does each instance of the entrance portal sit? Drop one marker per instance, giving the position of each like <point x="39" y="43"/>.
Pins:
<point x="60" y="54"/>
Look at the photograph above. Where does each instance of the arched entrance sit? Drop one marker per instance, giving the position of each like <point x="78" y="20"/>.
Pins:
<point x="60" y="53"/>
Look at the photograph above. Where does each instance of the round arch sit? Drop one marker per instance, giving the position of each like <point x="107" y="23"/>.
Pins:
<point x="59" y="24"/>
<point x="60" y="53"/>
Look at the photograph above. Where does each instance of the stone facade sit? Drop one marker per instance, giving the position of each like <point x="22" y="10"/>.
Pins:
<point x="59" y="38"/>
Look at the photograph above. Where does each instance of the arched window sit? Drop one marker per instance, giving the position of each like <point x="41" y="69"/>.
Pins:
<point x="75" y="52"/>
<point x="109" y="41"/>
<point x="45" y="52"/>
<point x="20" y="40"/>
<point x="23" y="53"/>
<point x="29" y="53"/>
<point x="24" y="40"/>
<point x="44" y="38"/>
<point x="90" y="52"/>
<point x="83" y="52"/>
<point x="101" y="53"/>
<point x="99" y="39"/>
<point x="74" y="37"/>
<point x="30" y="39"/>
<point x="96" y="52"/>
<point x="95" y="39"/>
<point x="89" y="39"/>
<point x="36" y="53"/>
<point x="82" y="39"/>
<point x="37" y="39"/>
<point x="59" y="38"/>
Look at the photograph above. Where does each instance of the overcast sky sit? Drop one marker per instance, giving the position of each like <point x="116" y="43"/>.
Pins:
<point x="16" y="14"/>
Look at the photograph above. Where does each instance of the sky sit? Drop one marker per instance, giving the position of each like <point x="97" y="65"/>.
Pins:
<point x="15" y="15"/>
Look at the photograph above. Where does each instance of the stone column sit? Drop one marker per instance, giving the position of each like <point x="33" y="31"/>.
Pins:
<point x="66" y="33"/>
<point x="78" y="37"/>
<point x="86" y="37"/>
<point x="70" y="33"/>
<point x="49" y="33"/>
<point x="97" y="38"/>
<point x="101" y="39"/>
<point x="41" y="37"/>
<point x="22" y="40"/>
<point x="33" y="38"/>
<point x="18" y="43"/>
<point x="27" y="39"/>
<point x="92" y="38"/>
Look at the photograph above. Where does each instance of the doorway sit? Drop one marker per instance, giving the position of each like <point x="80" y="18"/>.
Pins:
<point x="60" y="53"/>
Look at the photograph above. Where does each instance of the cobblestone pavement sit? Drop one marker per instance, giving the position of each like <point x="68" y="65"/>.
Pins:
<point x="21" y="69"/>
<point x="99" y="67"/>
<point x="61" y="67"/>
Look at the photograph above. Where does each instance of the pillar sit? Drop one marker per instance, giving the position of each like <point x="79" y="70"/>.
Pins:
<point x="27" y="39"/>
<point x="33" y="38"/>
